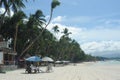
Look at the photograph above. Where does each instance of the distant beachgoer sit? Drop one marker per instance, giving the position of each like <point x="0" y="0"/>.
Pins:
<point x="28" y="69"/>
<point x="49" y="68"/>
<point x="33" y="68"/>
<point x="37" y="69"/>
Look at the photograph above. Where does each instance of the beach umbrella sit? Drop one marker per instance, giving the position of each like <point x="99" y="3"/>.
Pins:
<point x="58" y="61"/>
<point x="66" y="61"/>
<point x="47" y="59"/>
<point x="33" y="58"/>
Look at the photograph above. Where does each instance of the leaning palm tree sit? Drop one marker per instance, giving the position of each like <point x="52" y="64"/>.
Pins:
<point x="35" y="22"/>
<point x="54" y="4"/>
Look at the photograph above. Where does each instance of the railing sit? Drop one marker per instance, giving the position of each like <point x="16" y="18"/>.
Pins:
<point x="4" y="44"/>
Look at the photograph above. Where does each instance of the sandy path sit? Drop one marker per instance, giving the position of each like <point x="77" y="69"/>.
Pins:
<point x="84" y="71"/>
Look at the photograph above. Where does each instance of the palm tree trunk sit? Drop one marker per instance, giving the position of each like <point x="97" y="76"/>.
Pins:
<point x="15" y="41"/>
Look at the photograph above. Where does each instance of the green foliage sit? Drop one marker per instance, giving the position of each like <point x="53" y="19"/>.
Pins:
<point x="55" y="3"/>
<point x="89" y="57"/>
<point x="47" y="45"/>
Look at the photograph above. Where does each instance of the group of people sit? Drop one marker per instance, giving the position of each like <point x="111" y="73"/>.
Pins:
<point x="31" y="68"/>
<point x="35" y="68"/>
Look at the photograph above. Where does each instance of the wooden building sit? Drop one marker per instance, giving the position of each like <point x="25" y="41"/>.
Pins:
<point x="7" y="54"/>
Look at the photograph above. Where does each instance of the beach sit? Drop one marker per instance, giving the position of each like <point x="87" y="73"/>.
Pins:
<point x="82" y="71"/>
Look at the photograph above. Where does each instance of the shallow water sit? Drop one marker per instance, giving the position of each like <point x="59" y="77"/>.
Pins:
<point x="108" y="62"/>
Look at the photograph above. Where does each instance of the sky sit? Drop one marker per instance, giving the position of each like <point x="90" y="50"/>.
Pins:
<point x="95" y="24"/>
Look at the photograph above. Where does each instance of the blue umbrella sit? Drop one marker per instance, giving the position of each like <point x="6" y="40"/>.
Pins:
<point x="33" y="58"/>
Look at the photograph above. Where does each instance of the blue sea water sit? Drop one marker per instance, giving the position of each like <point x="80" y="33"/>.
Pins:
<point x="108" y="62"/>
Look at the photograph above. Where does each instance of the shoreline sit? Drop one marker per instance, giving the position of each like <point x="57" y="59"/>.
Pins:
<point x="82" y="71"/>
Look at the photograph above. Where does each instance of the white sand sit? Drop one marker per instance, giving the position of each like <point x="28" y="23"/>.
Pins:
<point x="84" y="71"/>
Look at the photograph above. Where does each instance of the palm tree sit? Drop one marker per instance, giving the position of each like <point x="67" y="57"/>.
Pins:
<point x="15" y="5"/>
<point x="66" y="32"/>
<point x="54" y="4"/>
<point x="37" y="19"/>
<point x="55" y="28"/>
<point x="17" y="19"/>
<point x="6" y="29"/>
<point x="6" y="6"/>
<point x="64" y="44"/>
<point x="33" y="27"/>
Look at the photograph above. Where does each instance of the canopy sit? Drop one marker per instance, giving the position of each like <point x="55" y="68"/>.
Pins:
<point x="33" y="58"/>
<point x="47" y="59"/>
<point x="58" y="61"/>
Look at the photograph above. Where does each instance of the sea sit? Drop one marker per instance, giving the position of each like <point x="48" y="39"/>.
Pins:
<point x="109" y="62"/>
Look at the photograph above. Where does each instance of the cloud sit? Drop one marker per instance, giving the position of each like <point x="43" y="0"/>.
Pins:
<point x="108" y="22"/>
<point x="81" y="19"/>
<point x="88" y="21"/>
<point x="74" y="30"/>
<point x="101" y="34"/>
<point x="97" y="40"/>
<point x="71" y="3"/>
<point x="99" y="31"/>
<point x="77" y="19"/>
<point x="58" y="19"/>
<point x="2" y="10"/>
<point x="102" y="48"/>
